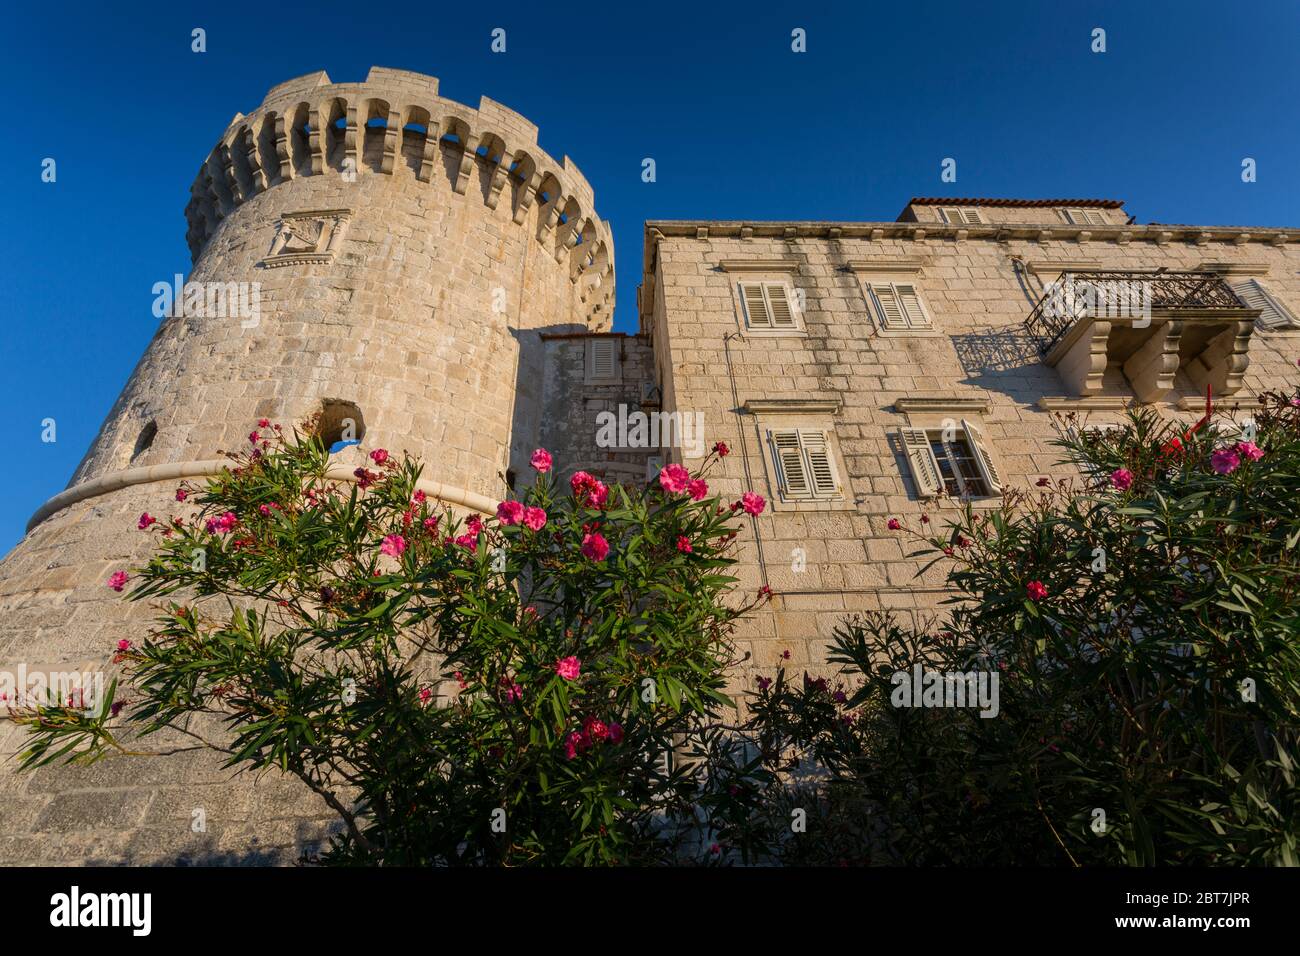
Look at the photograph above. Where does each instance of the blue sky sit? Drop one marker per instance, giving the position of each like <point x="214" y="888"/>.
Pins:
<point x="740" y="127"/>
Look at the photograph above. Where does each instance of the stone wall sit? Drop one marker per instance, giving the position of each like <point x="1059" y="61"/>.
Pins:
<point x="841" y="372"/>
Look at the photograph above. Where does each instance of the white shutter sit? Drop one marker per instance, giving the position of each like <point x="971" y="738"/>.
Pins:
<point x="959" y="215"/>
<point x="778" y="301"/>
<point x="1273" y="315"/>
<point x="792" y="476"/>
<point x="982" y="459"/>
<point x="821" y="466"/>
<point x="888" y="307"/>
<point x="1084" y="217"/>
<point x="756" y="315"/>
<point x="920" y="460"/>
<point x="604" y="358"/>
<point x="910" y="301"/>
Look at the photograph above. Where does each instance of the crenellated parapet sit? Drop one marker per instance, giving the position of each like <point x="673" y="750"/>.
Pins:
<point x="395" y="121"/>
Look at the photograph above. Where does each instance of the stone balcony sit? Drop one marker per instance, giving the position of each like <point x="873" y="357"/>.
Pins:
<point x="1152" y="324"/>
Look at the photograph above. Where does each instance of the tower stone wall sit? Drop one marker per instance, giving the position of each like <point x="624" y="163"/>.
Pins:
<point x="366" y="250"/>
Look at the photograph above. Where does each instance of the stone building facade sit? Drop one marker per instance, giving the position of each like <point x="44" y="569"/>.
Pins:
<point x="429" y="279"/>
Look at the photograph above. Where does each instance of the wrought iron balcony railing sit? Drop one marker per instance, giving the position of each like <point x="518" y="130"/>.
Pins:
<point x="1132" y="294"/>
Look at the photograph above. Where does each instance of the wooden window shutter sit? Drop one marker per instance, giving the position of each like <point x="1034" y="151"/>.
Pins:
<point x="821" y="467"/>
<point x="756" y="314"/>
<point x="790" y="464"/>
<point x="1273" y="315"/>
<point x="887" y="304"/>
<point x="920" y="460"/>
<point x="910" y="302"/>
<point x="987" y="469"/>
<point x="604" y="358"/>
<point x="778" y="301"/>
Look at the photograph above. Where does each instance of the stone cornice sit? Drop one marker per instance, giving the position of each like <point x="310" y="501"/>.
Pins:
<point x="934" y="230"/>
<point x="921" y="404"/>
<point x="760" y="265"/>
<point x="796" y="406"/>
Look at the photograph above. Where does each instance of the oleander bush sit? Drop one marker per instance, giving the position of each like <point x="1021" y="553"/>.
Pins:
<point x="1144" y="627"/>
<point x="484" y="690"/>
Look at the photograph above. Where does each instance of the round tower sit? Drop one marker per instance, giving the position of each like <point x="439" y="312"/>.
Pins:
<point x="367" y="251"/>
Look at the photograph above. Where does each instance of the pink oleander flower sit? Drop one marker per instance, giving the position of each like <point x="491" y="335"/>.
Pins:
<point x="571" y="744"/>
<point x="468" y="540"/>
<point x="892" y="524"/>
<point x="568" y="667"/>
<point x="431" y="524"/>
<point x="425" y="695"/>
<point x="765" y="591"/>
<point x="514" y="693"/>
<point x="684" y="544"/>
<point x="722" y="450"/>
<point x="510" y="512"/>
<point x="530" y="613"/>
<point x="418" y="497"/>
<point x="145" y="521"/>
<point x="595" y="730"/>
<point x="117" y="707"/>
<point x="764" y="683"/>
<point x="541" y="460"/>
<point x="752" y="503"/>
<point x="1036" y="590"/>
<point x="785" y="655"/>
<point x="181" y="494"/>
<point x="394" y="546"/>
<point x="254" y="438"/>
<point x="595" y="546"/>
<point x="264" y="510"/>
<point x="264" y="423"/>
<point x="615" y="733"/>
<point x="117" y="580"/>
<point x="365" y="478"/>
<point x="221" y="525"/>
<point x="1248" y="449"/>
<point x="589" y="490"/>
<point x="1121" y="479"/>
<point x="474" y="525"/>
<point x="534" y="519"/>
<point x="698" y="489"/>
<point x="674" y="479"/>
<point x="379" y="456"/>
<point x="1225" y="461"/>
<point x="1295" y="402"/>
<point x="123" y="645"/>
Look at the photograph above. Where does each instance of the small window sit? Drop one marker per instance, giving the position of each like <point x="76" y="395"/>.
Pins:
<point x="653" y="465"/>
<point x="950" y="461"/>
<point x="1084" y="217"/>
<point x="1273" y="314"/>
<point x="144" y="439"/>
<point x="340" y="424"/>
<point x="898" y="306"/>
<point x="805" y="468"/>
<point x="768" y="306"/>
<point x="961" y="215"/>
<point x="602" y="360"/>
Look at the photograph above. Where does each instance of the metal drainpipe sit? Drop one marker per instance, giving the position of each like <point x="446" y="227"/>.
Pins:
<point x="744" y="449"/>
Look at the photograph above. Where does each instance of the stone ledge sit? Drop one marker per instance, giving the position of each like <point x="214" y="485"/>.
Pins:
<point x="150" y="474"/>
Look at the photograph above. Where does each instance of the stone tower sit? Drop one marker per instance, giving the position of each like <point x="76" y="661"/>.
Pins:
<point x="368" y="251"/>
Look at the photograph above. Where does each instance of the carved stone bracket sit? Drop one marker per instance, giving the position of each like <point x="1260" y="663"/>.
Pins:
<point x="1151" y="369"/>
<point x="1080" y="357"/>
